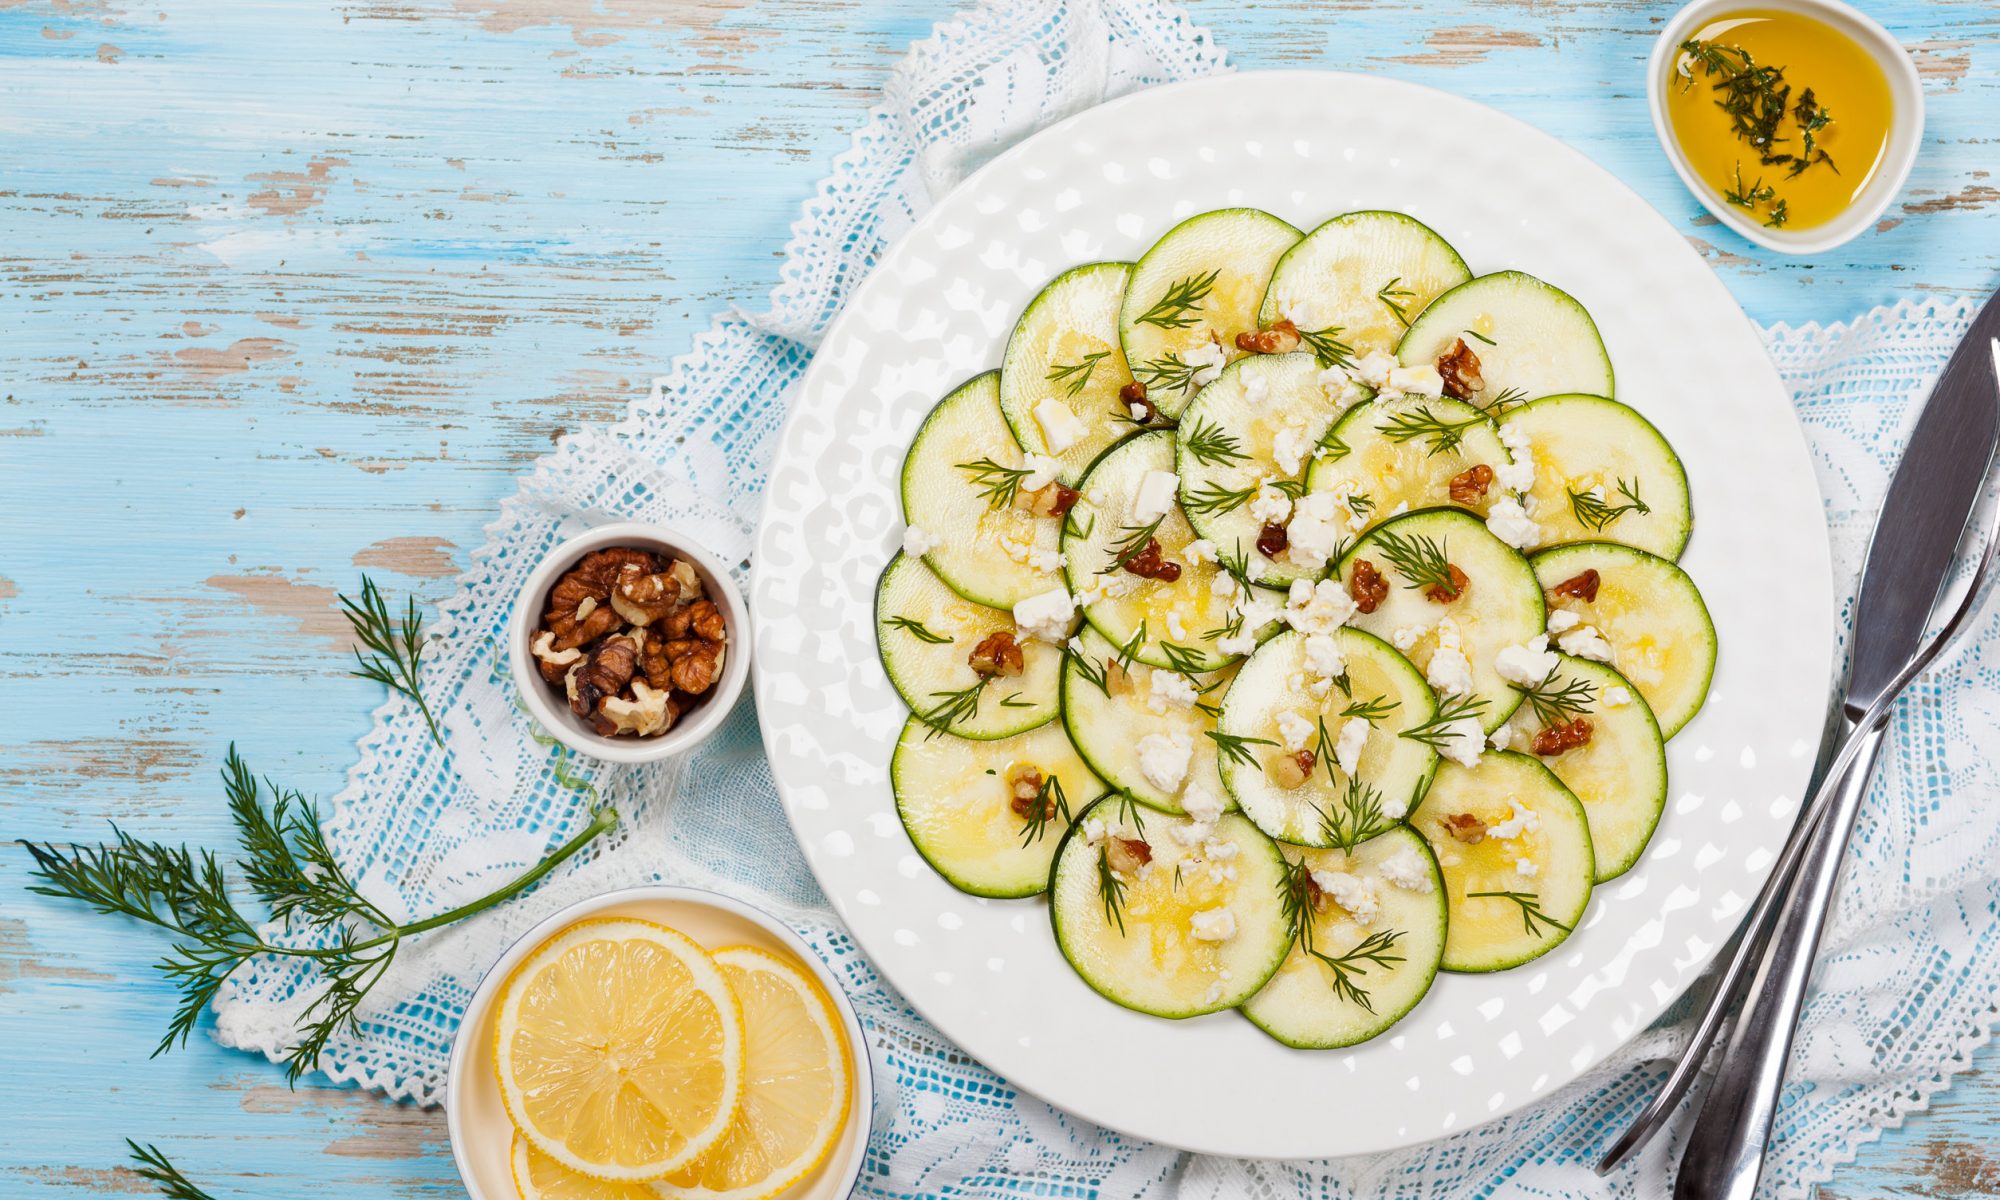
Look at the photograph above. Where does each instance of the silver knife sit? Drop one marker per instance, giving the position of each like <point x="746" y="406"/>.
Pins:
<point x="1930" y="501"/>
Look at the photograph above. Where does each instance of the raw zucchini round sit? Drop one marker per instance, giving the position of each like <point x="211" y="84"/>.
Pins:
<point x="1274" y="688"/>
<point x="1386" y="459"/>
<point x="1259" y="423"/>
<point x="926" y="632"/>
<point x="1064" y="352"/>
<point x="1175" y="625"/>
<point x="1200" y="285"/>
<point x="1501" y="607"/>
<point x="1620" y="775"/>
<point x="1512" y="898"/>
<point x="1532" y="339"/>
<point x="1108" y="707"/>
<point x="1650" y="612"/>
<point x="960" y="478"/>
<point x="955" y="797"/>
<point x="1580" y="443"/>
<point x="1133" y="936"/>
<point x="1363" y="276"/>
<point x="1381" y="980"/>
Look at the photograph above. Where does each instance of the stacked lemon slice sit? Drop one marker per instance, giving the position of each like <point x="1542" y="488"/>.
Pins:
<point x="637" y="1065"/>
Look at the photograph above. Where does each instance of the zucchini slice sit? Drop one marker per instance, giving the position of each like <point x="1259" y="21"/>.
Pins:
<point x="1061" y="373"/>
<point x="1384" y="459"/>
<point x="1280" y="704"/>
<point x="1620" y="774"/>
<point x="1648" y="613"/>
<point x="1532" y="339"/>
<point x="1257" y="427"/>
<point x="1602" y="474"/>
<point x="1362" y="277"/>
<point x="1502" y="606"/>
<point x="1180" y="624"/>
<point x="1387" y="953"/>
<point x="1199" y="286"/>
<point x="1514" y="847"/>
<point x="1111" y="705"/>
<point x="926" y="633"/>
<point x="956" y="799"/>
<point x="962" y="485"/>
<point x="1198" y="928"/>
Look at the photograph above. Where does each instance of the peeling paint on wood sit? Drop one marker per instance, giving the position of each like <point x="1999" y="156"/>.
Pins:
<point x="424" y="557"/>
<point x="308" y="607"/>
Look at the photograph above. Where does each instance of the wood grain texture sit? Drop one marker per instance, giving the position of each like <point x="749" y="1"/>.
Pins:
<point x="291" y="291"/>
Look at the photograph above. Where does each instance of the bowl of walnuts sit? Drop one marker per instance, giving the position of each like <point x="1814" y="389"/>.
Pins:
<point x="624" y="643"/>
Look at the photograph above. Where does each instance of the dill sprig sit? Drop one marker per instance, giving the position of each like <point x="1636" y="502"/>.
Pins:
<point x="1213" y="498"/>
<point x="1557" y="700"/>
<point x="1050" y="802"/>
<point x="396" y="648"/>
<point x="1075" y="376"/>
<point x="952" y="708"/>
<point x="1751" y="196"/>
<point x="1295" y="895"/>
<point x="1370" y="711"/>
<point x="1397" y="300"/>
<point x="917" y="629"/>
<point x="999" y="484"/>
<point x="1167" y="373"/>
<point x="1133" y="543"/>
<point x="1331" y="448"/>
<point x="1130" y="650"/>
<point x="285" y="862"/>
<point x="1110" y="889"/>
<point x="1327" y="347"/>
<point x="1445" y="436"/>
<point x="1096" y="674"/>
<point x="1780" y="213"/>
<point x="1506" y="399"/>
<point x="1211" y="444"/>
<point x="1356" y="816"/>
<point x="166" y="1178"/>
<point x="1531" y="909"/>
<point x="1185" y="659"/>
<point x="1418" y="558"/>
<point x="1598" y="514"/>
<point x="1233" y="748"/>
<point x="1756" y="98"/>
<point x="1436" y="731"/>
<point x="1183" y="297"/>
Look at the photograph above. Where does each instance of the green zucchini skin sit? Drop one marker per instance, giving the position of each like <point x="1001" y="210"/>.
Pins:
<point x="1578" y="442"/>
<point x="923" y="671"/>
<point x="1068" y="322"/>
<point x="1495" y="314"/>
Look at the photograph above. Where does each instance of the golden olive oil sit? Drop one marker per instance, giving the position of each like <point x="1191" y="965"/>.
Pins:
<point x="1763" y="63"/>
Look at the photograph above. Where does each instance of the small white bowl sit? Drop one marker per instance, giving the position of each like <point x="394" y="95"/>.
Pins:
<point x="1906" y="130"/>
<point x="547" y="706"/>
<point x="481" y="1132"/>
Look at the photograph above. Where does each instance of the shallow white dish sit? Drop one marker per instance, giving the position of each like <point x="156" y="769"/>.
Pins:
<point x="481" y="1132"/>
<point x="1306" y="146"/>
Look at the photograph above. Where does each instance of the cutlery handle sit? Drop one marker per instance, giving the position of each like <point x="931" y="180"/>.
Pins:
<point x="1724" y="1156"/>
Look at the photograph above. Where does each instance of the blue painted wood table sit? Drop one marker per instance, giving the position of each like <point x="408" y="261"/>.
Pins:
<point x="289" y="292"/>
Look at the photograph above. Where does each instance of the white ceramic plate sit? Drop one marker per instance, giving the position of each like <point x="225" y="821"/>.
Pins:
<point x="1306" y="146"/>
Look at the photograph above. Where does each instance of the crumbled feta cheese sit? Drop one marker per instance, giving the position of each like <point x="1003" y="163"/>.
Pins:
<point x="1163" y="759"/>
<point x="1138" y="413"/>
<point x="1045" y="615"/>
<point x="1341" y="387"/>
<point x="1449" y="671"/>
<point x="1094" y="831"/>
<point x="1042" y="471"/>
<point x="1203" y="806"/>
<point x="1208" y="359"/>
<point x="1525" y="868"/>
<point x="1028" y="554"/>
<point x="1509" y="522"/>
<point x="1319" y="522"/>
<point x="918" y="541"/>
<point x="1519" y="821"/>
<point x="1563" y="620"/>
<point x="1462" y="741"/>
<point x="1502" y="738"/>
<point x="1420" y="380"/>
<point x="1270" y="506"/>
<point x="1155" y="496"/>
<point x="1303" y="314"/>
<point x="1351" y="892"/>
<point x="1216" y="850"/>
<point x="1176" y="628"/>
<point x="1405" y="637"/>
<point x="1171" y="689"/>
<point x="1585" y="642"/>
<point x="1256" y="609"/>
<point x="1213" y="925"/>
<point x="1407" y="870"/>
<point x="1236" y="643"/>
<point x="1214" y="994"/>
<point x="1317" y="607"/>
<point x="1289" y="449"/>
<point x="1374" y="368"/>
<point x="1617" y="696"/>
<point x="1294" y="730"/>
<point x="1324" y="656"/>
<point x="1256" y="388"/>
<point x="1517" y="475"/>
<point x="1060" y="427"/>
<point x="1527" y="664"/>
<point x="1198" y="551"/>
<point x="1222" y="584"/>
<point x="1347" y="751"/>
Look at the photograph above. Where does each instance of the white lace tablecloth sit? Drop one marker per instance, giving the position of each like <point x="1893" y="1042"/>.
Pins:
<point x="1912" y="968"/>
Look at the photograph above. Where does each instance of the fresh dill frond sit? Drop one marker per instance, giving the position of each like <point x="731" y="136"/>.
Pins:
<point x="1417" y="557"/>
<point x="1436" y="731"/>
<point x="1557" y="700"/>
<point x="999" y="484"/>
<point x="1213" y="498"/>
<point x="1167" y="373"/>
<point x="952" y="708"/>
<point x="396" y="649"/>
<point x="1130" y="650"/>
<point x="1075" y="376"/>
<point x="1355" y="817"/>
<point x="1184" y="297"/>
<point x="1371" y="711"/>
<point x="1397" y="299"/>
<point x="1049" y="803"/>
<point x="1185" y="659"/>
<point x="1750" y="196"/>
<point x="1507" y="398"/>
<point x="917" y="629"/>
<point x="1531" y="910"/>
<point x="1327" y="347"/>
<point x="1234" y="748"/>
<point x="1110" y="890"/>
<point x="165" y="1177"/>
<point x="1135" y="540"/>
<point x="1212" y="445"/>
<point x="1598" y="514"/>
<point x="1096" y="674"/>
<point x="1444" y="436"/>
<point x="1295" y="892"/>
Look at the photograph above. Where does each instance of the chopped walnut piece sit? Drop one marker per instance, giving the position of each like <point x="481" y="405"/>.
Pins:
<point x="1438" y="593"/>
<point x="1315" y="894"/>
<point x="1367" y="587"/>
<point x="1469" y="486"/>
<point x="996" y="654"/>
<point x="641" y="598"/>
<point x="591" y="580"/>
<point x="1137" y="405"/>
<point x="650" y="711"/>
<point x="1051" y="501"/>
<point x="551" y="662"/>
<point x="1460" y="368"/>
<point x="1562" y="736"/>
<point x="1117" y="679"/>
<point x="1292" y="769"/>
<point x="1273" y="539"/>
<point x="1580" y="587"/>
<point x="1127" y="855"/>
<point x="605" y="673"/>
<point x="1151" y="563"/>
<point x="1281" y="337"/>
<point x="1025" y="786"/>
<point x="1466" y="828"/>
<point x="596" y="621"/>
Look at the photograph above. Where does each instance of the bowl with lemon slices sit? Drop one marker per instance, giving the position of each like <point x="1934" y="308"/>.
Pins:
<point x="659" y="1043"/>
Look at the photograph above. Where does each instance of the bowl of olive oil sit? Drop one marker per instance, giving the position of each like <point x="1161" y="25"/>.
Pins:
<point x="1794" y="121"/>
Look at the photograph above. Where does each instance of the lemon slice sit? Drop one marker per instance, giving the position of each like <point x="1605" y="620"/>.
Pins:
<point x="797" y="1077"/>
<point x="539" y="1177"/>
<point x="619" y="1050"/>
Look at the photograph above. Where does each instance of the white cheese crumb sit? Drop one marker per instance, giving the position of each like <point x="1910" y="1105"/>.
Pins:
<point x="1405" y="637"/>
<point x="1138" y="412"/>
<point x="1042" y="471"/>
<point x="1525" y="868"/>
<point x="1060" y="427"/>
<point x="1093" y="831"/>
<point x="1509" y="522"/>
<point x="1294" y="730"/>
<point x="1502" y="738"/>
<point x="1585" y="642"/>
<point x="1617" y="696"/>
<point x="1208" y="360"/>
<point x="1289" y="449"/>
<point x="1462" y="741"/>
<point x="1563" y="620"/>
<point x="1214" y="995"/>
<point x="1519" y="474"/>
<point x="1271" y="506"/>
<point x="1324" y="656"/>
<point x="1171" y="689"/>
<point x="1199" y="551"/>
<point x="1176" y="628"/>
<point x="1407" y="870"/>
<point x="1316" y="533"/>
<point x="1155" y="496"/>
<point x="918" y="541"/>
<point x="1347" y="751"/>
<point x="1449" y="671"/>
<point x="1317" y="607"/>
<point x="1302" y="313"/>
<point x="1341" y="387"/>
<point x="1203" y="806"/>
<point x="1236" y="643"/>
<point x="1527" y="664"/>
<point x="1163" y="759"/>
<point x="1420" y="380"/>
<point x="1256" y="388"/>
<point x="1213" y="925"/>
<point x="1521" y="820"/>
<point x="1046" y="615"/>
<point x="1351" y="892"/>
<point x="1373" y="369"/>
